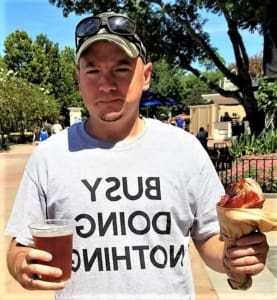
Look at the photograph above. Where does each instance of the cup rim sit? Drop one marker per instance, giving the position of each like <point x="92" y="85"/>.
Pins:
<point x="58" y="225"/>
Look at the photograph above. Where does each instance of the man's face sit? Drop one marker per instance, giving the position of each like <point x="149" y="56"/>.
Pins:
<point x="110" y="82"/>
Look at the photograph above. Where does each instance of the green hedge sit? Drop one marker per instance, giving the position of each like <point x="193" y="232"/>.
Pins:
<point x="18" y="138"/>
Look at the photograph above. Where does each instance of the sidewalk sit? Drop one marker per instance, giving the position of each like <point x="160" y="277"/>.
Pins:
<point x="209" y="285"/>
<point x="12" y="165"/>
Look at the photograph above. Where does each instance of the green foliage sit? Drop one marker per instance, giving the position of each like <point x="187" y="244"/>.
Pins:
<point x="195" y="87"/>
<point x="23" y="104"/>
<point x="19" y="137"/>
<point x="36" y="61"/>
<point x="248" y="13"/>
<point x="54" y="71"/>
<point x="171" y="82"/>
<point x="67" y="92"/>
<point x="250" y="144"/>
<point x="267" y="99"/>
<point x="269" y="142"/>
<point x="167" y="80"/>
<point x="267" y="102"/>
<point x="18" y="53"/>
<point x="41" y="63"/>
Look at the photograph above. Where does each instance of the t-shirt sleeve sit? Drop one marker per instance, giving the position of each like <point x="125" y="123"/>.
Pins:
<point x="207" y="189"/>
<point x="27" y="207"/>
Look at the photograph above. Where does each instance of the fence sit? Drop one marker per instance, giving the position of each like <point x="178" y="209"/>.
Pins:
<point x="263" y="170"/>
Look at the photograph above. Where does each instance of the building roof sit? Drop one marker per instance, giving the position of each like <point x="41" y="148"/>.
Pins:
<point x="219" y="99"/>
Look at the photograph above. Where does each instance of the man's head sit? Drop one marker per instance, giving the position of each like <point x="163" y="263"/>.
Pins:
<point x="112" y="71"/>
<point x="112" y="27"/>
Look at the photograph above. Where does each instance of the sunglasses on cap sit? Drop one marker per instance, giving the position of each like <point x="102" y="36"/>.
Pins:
<point x="115" y="24"/>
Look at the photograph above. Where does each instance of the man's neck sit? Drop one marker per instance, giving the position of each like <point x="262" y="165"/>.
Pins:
<point x="115" y="131"/>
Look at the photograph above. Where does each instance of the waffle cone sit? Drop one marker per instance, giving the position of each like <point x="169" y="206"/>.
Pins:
<point x="236" y="222"/>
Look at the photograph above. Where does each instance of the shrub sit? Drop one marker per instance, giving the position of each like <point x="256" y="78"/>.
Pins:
<point x="17" y="137"/>
<point x="246" y="144"/>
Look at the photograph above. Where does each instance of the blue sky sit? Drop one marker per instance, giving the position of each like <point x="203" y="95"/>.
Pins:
<point x="39" y="16"/>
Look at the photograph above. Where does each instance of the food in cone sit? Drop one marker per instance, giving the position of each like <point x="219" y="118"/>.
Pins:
<point x="240" y="213"/>
<point x="245" y="193"/>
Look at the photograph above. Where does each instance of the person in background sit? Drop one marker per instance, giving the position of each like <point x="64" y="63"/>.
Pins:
<point x="202" y="136"/>
<point x="180" y="122"/>
<point x="43" y="135"/>
<point x="36" y="135"/>
<point x="48" y="127"/>
<point x="139" y="190"/>
<point x="226" y="117"/>
<point x="56" y="127"/>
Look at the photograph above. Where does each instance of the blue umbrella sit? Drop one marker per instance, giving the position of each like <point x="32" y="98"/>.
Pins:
<point x="150" y="102"/>
<point x="170" y="101"/>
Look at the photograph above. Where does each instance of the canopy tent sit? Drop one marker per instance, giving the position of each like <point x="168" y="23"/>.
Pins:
<point x="150" y="98"/>
<point x="150" y="101"/>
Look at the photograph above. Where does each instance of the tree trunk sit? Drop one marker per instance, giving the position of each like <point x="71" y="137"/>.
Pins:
<point x="270" y="41"/>
<point x="255" y="117"/>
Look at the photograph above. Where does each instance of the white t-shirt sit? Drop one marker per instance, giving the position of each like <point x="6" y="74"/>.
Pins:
<point x="135" y="204"/>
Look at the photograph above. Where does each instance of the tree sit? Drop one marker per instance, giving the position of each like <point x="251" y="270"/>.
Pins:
<point x="36" y="61"/>
<point x="41" y="63"/>
<point x="194" y="87"/>
<point x="18" y="52"/>
<point x="46" y="56"/>
<point x="167" y="81"/>
<point x="270" y="40"/>
<point x="67" y="92"/>
<point x="177" y="34"/>
<point x="255" y="66"/>
<point x="23" y="104"/>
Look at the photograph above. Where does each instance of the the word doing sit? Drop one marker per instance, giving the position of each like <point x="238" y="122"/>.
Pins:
<point x="117" y="223"/>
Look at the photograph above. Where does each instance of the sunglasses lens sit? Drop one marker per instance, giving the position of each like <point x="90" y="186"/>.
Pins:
<point x="121" y="25"/>
<point x="88" y="27"/>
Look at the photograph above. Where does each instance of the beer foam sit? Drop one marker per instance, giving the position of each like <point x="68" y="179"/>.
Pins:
<point x="50" y="230"/>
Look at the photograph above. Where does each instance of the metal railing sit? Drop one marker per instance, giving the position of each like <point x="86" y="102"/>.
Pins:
<point x="263" y="170"/>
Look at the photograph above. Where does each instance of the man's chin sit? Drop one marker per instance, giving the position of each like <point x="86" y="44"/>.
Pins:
<point x="111" y="117"/>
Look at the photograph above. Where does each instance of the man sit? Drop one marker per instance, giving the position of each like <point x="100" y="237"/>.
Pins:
<point x="136" y="201"/>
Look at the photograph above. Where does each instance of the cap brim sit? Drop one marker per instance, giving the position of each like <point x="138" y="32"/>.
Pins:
<point x="128" y="47"/>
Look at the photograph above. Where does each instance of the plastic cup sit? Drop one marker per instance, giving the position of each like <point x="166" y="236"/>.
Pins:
<point x="55" y="236"/>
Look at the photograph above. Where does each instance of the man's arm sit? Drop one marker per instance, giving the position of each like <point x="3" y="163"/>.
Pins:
<point x="248" y="257"/>
<point x="21" y="261"/>
<point x="211" y="251"/>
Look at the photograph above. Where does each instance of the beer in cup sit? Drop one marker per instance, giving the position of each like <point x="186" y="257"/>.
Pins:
<point x="55" y="237"/>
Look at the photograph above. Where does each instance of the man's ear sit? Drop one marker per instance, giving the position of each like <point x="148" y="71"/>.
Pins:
<point x="77" y="73"/>
<point x="147" y="76"/>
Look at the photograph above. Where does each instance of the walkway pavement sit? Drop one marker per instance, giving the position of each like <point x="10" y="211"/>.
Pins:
<point x="11" y="168"/>
<point x="209" y="285"/>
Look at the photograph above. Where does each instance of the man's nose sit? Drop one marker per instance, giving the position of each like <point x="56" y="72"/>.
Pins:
<point x="107" y="82"/>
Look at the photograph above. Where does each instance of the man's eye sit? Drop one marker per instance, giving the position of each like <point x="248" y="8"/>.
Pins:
<point x="91" y="71"/>
<point x="123" y="69"/>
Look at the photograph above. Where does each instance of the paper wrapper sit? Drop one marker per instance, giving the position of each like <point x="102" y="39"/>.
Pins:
<point x="236" y="222"/>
